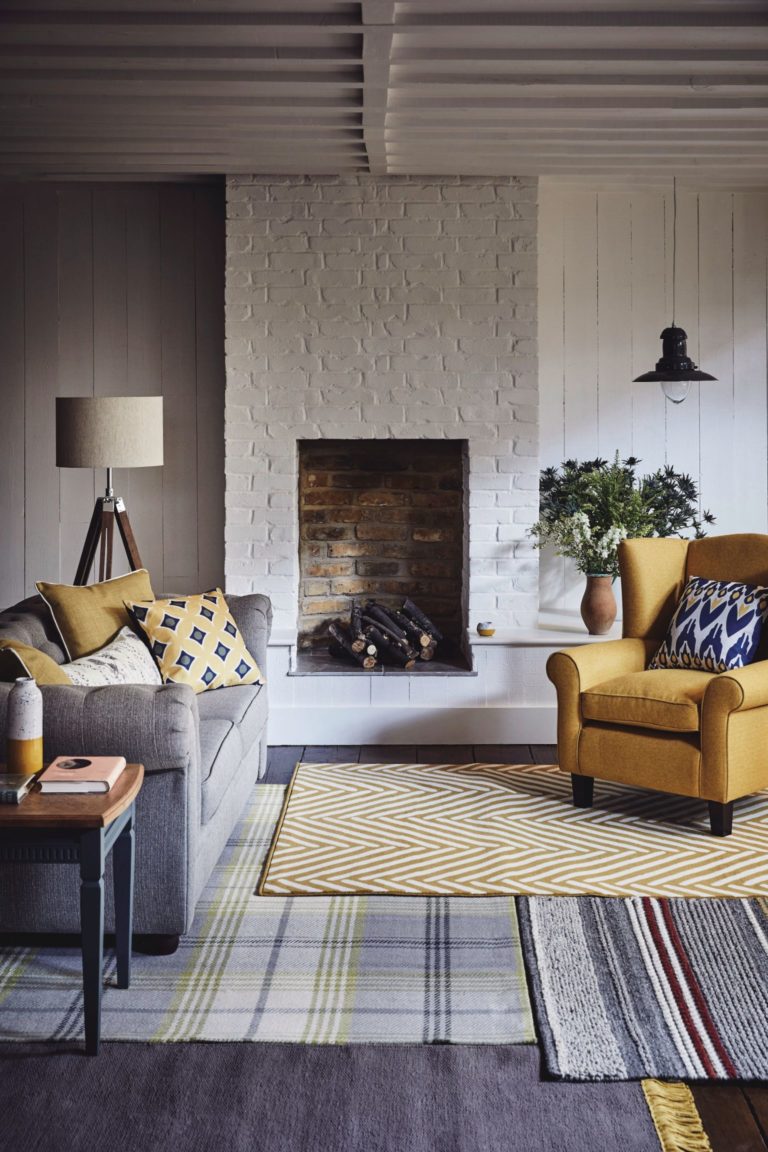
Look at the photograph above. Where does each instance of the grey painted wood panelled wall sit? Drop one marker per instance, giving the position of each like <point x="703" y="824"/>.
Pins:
<point x="112" y="290"/>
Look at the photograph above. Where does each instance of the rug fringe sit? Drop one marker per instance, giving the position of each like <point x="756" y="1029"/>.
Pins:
<point x="675" y="1117"/>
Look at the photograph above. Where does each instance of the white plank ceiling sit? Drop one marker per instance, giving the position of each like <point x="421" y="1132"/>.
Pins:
<point x="181" y="88"/>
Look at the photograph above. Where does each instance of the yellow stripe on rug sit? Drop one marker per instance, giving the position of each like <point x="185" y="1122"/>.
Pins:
<point x="503" y="829"/>
<point x="675" y="1117"/>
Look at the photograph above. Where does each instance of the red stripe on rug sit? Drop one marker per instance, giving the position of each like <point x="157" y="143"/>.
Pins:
<point x="677" y="991"/>
<point x="696" y="991"/>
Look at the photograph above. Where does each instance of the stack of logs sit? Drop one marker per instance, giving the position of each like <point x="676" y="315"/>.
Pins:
<point x="399" y="636"/>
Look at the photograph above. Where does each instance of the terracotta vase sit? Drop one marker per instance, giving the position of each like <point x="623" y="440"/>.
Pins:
<point x="598" y="605"/>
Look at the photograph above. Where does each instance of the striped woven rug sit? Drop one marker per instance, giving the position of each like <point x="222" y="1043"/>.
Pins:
<point x="625" y="989"/>
<point x="328" y="971"/>
<point x="498" y="829"/>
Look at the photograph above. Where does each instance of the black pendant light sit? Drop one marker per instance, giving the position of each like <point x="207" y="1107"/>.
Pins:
<point x="675" y="370"/>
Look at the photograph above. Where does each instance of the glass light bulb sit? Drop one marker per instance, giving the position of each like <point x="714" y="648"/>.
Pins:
<point x="676" y="390"/>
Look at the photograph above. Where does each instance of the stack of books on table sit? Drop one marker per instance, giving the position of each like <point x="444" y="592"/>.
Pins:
<point x="13" y="788"/>
<point x="66" y="774"/>
<point x="82" y="774"/>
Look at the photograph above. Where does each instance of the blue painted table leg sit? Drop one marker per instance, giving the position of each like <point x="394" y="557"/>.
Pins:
<point x="92" y="929"/>
<point x="122" y="867"/>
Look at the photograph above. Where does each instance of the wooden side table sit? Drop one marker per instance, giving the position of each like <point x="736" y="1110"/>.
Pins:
<point x="82" y="829"/>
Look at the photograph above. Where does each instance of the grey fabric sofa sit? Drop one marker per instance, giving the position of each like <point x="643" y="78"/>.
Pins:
<point x="202" y="755"/>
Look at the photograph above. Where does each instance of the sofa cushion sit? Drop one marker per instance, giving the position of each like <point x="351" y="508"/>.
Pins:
<point x="245" y="705"/>
<point x="88" y="616"/>
<point x="231" y="721"/>
<point x="31" y="622"/>
<point x="125" y="660"/>
<point x="19" y="659"/>
<point x="195" y="641"/>
<point x="665" y="699"/>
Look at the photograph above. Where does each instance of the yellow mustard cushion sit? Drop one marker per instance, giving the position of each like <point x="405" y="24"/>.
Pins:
<point x="89" y="616"/>
<point x="19" y="659"/>
<point x="196" y="642"/>
<point x="665" y="699"/>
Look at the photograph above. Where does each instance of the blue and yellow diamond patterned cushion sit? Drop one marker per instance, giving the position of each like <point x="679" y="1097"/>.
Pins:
<point x="195" y="641"/>
<point x="716" y="626"/>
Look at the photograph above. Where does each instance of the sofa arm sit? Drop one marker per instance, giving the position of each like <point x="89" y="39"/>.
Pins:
<point x="154" y="725"/>
<point x="157" y="726"/>
<point x="574" y="670"/>
<point x="253" y="616"/>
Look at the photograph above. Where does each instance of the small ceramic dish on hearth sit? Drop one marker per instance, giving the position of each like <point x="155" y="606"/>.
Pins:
<point x="485" y="628"/>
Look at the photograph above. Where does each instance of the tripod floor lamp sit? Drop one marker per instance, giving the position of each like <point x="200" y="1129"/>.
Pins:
<point x="108" y="432"/>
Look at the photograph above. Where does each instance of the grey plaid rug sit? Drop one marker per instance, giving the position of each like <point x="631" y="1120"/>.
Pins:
<point x="318" y="970"/>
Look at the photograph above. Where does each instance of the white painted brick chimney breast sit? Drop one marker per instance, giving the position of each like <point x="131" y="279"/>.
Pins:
<point x="382" y="307"/>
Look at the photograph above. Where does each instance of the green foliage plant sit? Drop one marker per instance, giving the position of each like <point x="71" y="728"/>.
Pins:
<point x="588" y="507"/>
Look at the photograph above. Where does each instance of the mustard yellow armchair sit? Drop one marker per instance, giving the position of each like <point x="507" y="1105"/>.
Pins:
<point x="686" y="732"/>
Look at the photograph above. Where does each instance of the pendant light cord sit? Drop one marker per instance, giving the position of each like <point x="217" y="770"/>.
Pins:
<point x="674" y="245"/>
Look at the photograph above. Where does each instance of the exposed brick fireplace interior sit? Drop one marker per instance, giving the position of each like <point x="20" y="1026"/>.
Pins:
<point x="384" y="519"/>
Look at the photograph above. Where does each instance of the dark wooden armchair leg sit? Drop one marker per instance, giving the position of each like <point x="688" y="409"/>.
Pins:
<point x="583" y="790"/>
<point x="721" y="818"/>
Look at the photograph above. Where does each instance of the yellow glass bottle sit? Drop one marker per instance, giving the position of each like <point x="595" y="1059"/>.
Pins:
<point x="24" y="728"/>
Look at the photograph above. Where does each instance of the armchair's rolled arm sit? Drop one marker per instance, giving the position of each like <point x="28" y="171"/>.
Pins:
<point x="155" y="725"/>
<point x="738" y="690"/>
<point x="574" y="670"/>
<point x="590" y="664"/>
<point x="734" y="733"/>
<point x="253" y="616"/>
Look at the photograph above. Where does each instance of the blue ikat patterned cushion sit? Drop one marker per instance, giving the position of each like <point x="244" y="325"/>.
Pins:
<point x="716" y="626"/>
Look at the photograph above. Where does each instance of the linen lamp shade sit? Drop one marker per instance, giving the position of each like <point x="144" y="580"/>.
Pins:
<point x="109" y="431"/>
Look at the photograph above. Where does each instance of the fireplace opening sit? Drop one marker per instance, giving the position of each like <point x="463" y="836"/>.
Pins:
<point x="382" y="520"/>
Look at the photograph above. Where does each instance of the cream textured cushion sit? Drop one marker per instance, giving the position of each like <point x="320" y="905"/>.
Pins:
<point x="196" y="642"/>
<point x="89" y="616"/>
<point x="125" y="660"/>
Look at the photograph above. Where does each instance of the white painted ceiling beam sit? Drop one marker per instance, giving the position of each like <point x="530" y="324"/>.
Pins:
<point x="378" y="21"/>
<point x="568" y="87"/>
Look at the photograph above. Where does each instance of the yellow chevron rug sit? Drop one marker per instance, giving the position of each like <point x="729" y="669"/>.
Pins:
<point x="503" y="829"/>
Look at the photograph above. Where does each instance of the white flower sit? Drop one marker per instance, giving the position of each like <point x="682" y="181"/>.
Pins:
<point x="581" y="527"/>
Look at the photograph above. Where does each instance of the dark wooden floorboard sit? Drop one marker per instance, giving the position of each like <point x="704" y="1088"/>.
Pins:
<point x="281" y="761"/>
<point x="727" y="1118"/>
<point x="332" y="753"/>
<point x="544" y="753"/>
<point x="388" y="754"/>
<point x="757" y="1098"/>
<point x="445" y="753"/>
<point x="503" y="754"/>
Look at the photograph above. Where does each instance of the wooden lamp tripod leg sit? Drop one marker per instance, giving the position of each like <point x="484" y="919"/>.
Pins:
<point x="92" y="537"/>
<point x="101" y="531"/>
<point x="107" y="536"/>
<point x="127" y="536"/>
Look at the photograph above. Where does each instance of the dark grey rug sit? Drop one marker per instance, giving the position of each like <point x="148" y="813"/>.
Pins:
<point x="624" y="989"/>
<point x="295" y="1098"/>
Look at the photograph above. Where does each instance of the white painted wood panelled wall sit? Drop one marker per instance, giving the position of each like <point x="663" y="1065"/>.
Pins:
<point x="605" y="293"/>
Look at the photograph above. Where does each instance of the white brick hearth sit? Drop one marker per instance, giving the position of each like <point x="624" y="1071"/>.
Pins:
<point x="363" y="307"/>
